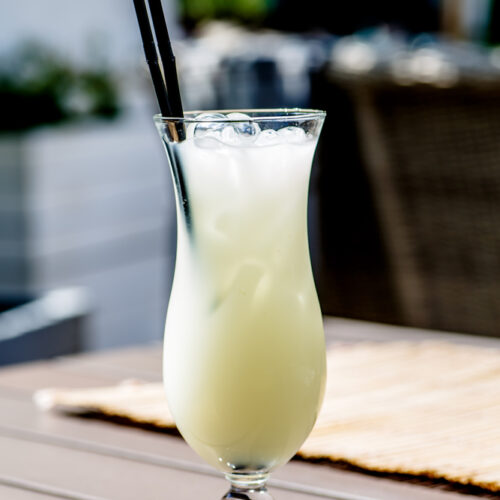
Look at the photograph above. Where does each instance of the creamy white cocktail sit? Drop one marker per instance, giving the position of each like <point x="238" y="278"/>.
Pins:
<point x="244" y="363"/>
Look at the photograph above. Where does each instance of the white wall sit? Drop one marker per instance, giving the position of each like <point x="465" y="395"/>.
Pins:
<point x="119" y="248"/>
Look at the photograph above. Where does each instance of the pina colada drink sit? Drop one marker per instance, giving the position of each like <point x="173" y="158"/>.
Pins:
<point x="244" y="363"/>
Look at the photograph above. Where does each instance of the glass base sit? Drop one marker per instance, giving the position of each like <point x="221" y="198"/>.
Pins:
<point x="247" y="487"/>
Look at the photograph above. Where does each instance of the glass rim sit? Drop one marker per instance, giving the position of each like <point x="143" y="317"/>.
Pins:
<point x="259" y="115"/>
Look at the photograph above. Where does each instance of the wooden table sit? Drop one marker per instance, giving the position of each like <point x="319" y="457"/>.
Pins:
<point x="45" y="455"/>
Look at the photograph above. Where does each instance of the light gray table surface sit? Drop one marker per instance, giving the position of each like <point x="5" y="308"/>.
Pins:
<point x="49" y="455"/>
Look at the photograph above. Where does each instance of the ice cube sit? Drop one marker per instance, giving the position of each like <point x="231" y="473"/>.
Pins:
<point x="230" y="136"/>
<point x="207" y="142"/>
<point x="246" y="130"/>
<point x="267" y="137"/>
<point x="190" y="130"/>
<point x="248" y="284"/>
<point x="210" y="117"/>
<point x="248" y="277"/>
<point x="210" y="127"/>
<point x="292" y="135"/>
<point x="239" y="116"/>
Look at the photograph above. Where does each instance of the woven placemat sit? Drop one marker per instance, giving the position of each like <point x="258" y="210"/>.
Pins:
<point x="428" y="409"/>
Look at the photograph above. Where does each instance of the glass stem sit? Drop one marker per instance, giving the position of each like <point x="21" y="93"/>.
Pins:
<point x="247" y="487"/>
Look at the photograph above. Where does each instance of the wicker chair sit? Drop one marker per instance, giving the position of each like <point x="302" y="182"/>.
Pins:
<point x="433" y="158"/>
<point x="349" y="260"/>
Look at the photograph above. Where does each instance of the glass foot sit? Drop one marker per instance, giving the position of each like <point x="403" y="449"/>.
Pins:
<point x="247" y="487"/>
<point x="236" y="493"/>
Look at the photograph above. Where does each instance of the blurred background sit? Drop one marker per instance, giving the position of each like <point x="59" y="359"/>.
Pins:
<point x="404" y="211"/>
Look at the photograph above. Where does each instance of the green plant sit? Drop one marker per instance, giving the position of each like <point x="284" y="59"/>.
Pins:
<point x="38" y="86"/>
<point x="244" y="10"/>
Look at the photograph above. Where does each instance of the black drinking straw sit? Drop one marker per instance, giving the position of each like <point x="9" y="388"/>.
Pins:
<point x="167" y="91"/>
<point x="167" y="57"/>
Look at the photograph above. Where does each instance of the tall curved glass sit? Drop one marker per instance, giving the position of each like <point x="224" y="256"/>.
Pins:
<point x="244" y="354"/>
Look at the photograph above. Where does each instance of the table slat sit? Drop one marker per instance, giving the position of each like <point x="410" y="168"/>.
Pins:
<point x="20" y="420"/>
<point x="12" y="493"/>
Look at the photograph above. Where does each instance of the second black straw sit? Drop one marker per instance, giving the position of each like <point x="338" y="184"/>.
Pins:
<point x="166" y="85"/>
